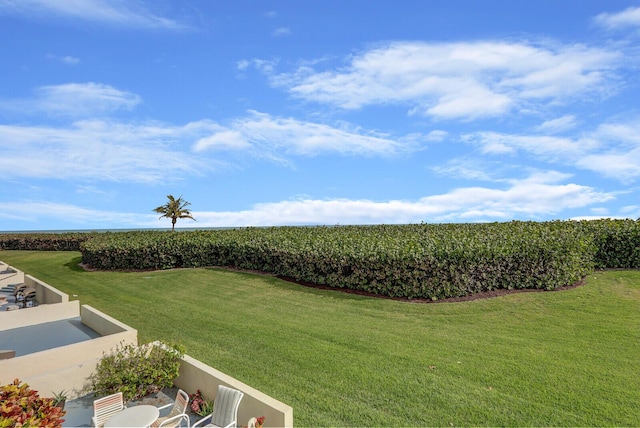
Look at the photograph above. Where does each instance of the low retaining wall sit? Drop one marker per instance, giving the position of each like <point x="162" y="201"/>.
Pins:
<point x="10" y="275"/>
<point x="38" y="315"/>
<point x="45" y="294"/>
<point x="196" y="375"/>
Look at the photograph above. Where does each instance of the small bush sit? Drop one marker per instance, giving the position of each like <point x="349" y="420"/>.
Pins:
<point x="136" y="371"/>
<point x="21" y="406"/>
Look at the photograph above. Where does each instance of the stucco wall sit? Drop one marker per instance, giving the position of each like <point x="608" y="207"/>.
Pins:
<point x="196" y="375"/>
<point x="38" y="314"/>
<point x="45" y="294"/>
<point x="8" y="278"/>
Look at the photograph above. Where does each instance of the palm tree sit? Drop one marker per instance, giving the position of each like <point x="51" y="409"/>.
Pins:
<point x="175" y="209"/>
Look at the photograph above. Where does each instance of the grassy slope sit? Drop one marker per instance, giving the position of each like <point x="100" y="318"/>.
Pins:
<point x="569" y="358"/>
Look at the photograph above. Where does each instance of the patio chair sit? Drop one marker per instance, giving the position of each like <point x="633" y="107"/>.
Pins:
<point x="18" y="289"/>
<point x="28" y="297"/>
<point x="105" y="407"/>
<point x="225" y="408"/>
<point x="177" y="414"/>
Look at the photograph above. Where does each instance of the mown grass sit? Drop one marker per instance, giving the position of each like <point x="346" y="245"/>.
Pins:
<point x="566" y="358"/>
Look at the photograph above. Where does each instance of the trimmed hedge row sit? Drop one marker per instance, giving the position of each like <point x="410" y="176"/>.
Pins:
<point x="412" y="261"/>
<point x="617" y="243"/>
<point x="43" y="241"/>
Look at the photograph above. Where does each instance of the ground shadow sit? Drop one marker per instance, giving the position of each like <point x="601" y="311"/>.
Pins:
<point x="74" y="264"/>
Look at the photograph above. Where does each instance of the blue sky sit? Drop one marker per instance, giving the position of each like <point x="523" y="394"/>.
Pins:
<point x="330" y="112"/>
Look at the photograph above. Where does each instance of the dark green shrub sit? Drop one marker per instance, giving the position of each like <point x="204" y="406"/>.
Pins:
<point x="412" y="261"/>
<point x="617" y="243"/>
<point x="43" y="241"/>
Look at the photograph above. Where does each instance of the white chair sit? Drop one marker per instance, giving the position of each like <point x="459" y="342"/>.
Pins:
<point x="177" y="414"/>
<point x="225" y="408"/>
<point x="105" y="407"/>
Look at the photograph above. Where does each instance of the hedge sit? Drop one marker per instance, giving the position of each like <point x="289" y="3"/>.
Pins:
<point x="432" y="261"/>
<point x="411" y="261"/>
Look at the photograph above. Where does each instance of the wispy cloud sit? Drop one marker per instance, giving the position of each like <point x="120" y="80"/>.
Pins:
<point x="627" y="18"/>
<point x="467" y="168"/>
<point x="113" y="12"/>
<point x="73" y="99"/>
<point x="42" y="211"/>
<point x="559" y="124"/>
<point x="549" y="147"/>
<point x="465" y="80"/>
<point x="264" y="133"/>
<point x="538" y="195"/>
<point x="102" y="150"/>
<point x="281" y="32"/>
<point x="611" y="149"/>
<point x="66" y="59"/>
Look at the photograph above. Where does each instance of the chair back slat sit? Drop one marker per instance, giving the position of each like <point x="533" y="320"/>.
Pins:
<point x="105" y="407"/>
<point x="180" y="405"/>
<point x="225" y="406"/>
<point x="179" y="408"/>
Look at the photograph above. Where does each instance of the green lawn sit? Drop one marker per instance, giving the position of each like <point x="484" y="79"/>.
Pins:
<point x="566" y="358"/>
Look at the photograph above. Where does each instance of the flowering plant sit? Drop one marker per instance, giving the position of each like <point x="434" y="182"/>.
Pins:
<point x="259" y="421"/>
<point x="199" y="405"/>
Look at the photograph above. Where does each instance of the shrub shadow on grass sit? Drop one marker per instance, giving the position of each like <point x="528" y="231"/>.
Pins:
<point x="75" y="265"/>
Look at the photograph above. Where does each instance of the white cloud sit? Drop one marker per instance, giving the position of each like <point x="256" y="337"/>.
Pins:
<point x="110" y="150"/>
<point x="548" y="147"/>
<point x="465" y="80"/>
<point x="537" y="196"/>
<point x="74" y="99"/>
<point x="268" y="134"/>
<point x="242" y="65"/>
<point x="466" y="169"/>
<point x="621" y="166"/>
<point x="627" y="18"/>
<point x="102" y="150"/>
<point x="540" y="195"/>
<point x="224" y="139"/>
<point x="281" y="32"/>
<point x="437" y="136"/>
<point x="611" y="150"/>
<point x="559" y="124"/>
<point x="67" y="59"/>
<point x="41" y="211"/>
<point x="117" y="12"/>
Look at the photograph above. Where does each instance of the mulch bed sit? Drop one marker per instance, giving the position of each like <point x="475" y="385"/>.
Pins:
<point x="475" y="296"/>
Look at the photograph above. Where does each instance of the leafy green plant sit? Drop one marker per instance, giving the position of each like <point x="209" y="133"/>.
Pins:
<point x="21" y="406"/>
<point x="136" y="371"/>
<point x="59" y="398"/>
